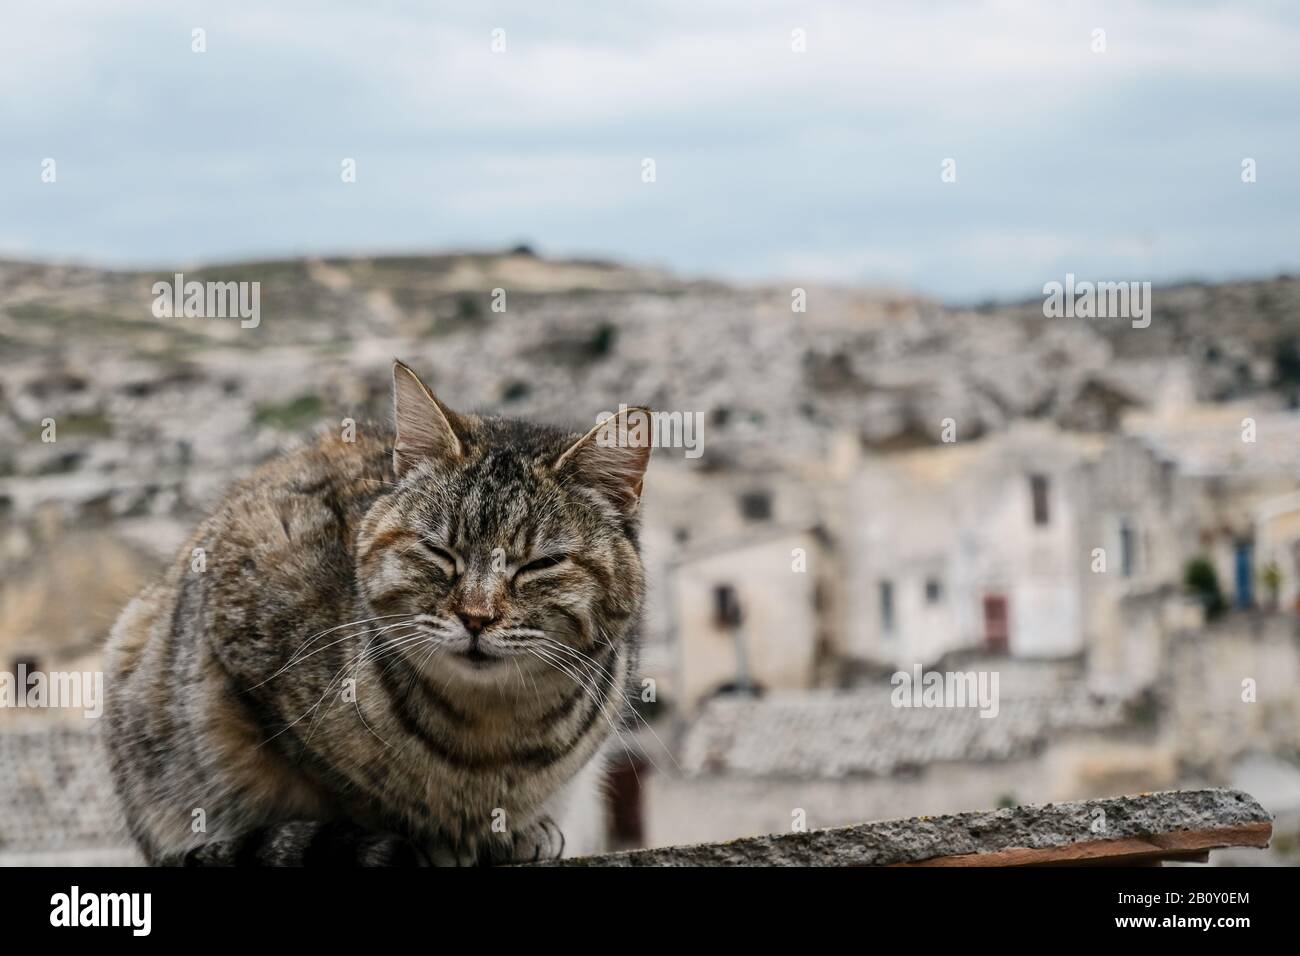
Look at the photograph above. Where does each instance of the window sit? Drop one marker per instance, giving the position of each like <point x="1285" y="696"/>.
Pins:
<point x="1038" y="490"/>
<point x="25" y="669"/>
<point x="887" y="606"/>
<point x="1126" y="549"/>
<point x="726" y="607"/>
<point x="933" y="590"/>
<point x="756" y="505"/>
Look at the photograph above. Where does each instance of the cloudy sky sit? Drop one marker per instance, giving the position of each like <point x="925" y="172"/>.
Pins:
<point x="770" y="164"/>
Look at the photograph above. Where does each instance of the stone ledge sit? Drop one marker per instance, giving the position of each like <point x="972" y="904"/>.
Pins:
<point x="1143" y="829"/>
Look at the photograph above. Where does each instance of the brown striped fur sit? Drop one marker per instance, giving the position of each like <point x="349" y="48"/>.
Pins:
<point x="389" y="646"/>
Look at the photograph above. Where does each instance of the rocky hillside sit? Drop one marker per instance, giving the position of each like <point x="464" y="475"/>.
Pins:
<point x="155" y="414"/>
<point x="1240" y="338"/>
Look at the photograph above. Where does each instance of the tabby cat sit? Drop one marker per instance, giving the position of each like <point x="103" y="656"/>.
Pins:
<point x="406" y="648"/>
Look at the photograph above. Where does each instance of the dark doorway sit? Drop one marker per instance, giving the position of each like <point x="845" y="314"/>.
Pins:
<point x="623" y="804"/>
<point x="997" y="624"/>
<point x="1244" y="562"/>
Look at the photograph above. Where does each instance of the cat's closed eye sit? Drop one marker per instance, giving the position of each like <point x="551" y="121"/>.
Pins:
<point x="445" y="559"/>
<point x="541" y="564"/>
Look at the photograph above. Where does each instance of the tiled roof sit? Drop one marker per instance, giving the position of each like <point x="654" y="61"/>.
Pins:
<point x="860" y="733"/>
<point x="946" y="463"/>
<point x="55" y="793"/>
<point x="1210" y="442"/>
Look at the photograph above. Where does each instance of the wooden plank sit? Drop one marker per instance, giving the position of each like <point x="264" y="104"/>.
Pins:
<point x="1178" y="844"/>
<point x="1144" y="829"/>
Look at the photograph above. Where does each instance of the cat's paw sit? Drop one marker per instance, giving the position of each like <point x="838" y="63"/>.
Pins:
<point x="537" y="842"/>
<point x="447" y="854"/>
<point x="387" y="849"/>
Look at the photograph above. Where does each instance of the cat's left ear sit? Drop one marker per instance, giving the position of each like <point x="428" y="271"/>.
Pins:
<point x="424" y="426"/>
<point x="613" y="456"/>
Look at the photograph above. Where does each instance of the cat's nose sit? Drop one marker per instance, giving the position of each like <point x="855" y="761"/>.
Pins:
<point x="474" y="622"/>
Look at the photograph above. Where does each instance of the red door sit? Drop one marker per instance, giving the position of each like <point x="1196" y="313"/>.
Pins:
<point x="997" y="626"/>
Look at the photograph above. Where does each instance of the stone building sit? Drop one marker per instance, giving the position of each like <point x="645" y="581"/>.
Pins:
<point x="974" y="544"/>
<point x="741" y="582"/>
<point x="748" y="617"/>
<point x="1233" y="464"/>
<point x="1277" y="547"/>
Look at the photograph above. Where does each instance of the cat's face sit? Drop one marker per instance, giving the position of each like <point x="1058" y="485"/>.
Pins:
<point x="505" y="546"/>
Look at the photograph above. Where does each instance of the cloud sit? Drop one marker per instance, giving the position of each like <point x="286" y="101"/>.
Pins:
<point x="825" y="161"/>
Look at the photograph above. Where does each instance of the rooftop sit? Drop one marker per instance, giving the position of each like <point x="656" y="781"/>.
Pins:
<point x="840" y="734"/>
<point x="56" y="799"/>
<point x="1206" y="441"/>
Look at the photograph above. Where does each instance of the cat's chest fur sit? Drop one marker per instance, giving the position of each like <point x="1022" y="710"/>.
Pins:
<point x="465" y="767"/>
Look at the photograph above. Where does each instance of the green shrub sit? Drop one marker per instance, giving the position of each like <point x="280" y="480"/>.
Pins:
<point x="294" y="414"/>
<point x="1201" y="579"/>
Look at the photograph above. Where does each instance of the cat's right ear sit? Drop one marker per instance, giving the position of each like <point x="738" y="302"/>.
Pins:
<point x="612" y="457"/>
<point x="424" y="426"/>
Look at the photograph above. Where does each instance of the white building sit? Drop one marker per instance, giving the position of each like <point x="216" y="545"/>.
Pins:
<point x="737" y="576"/>
<point x="1034" y="542"/>
<point x="1277" y="545"/>
<point x="747" y="616"/>
<point x="968" y="545"/>
<point x="1236" y="464"/>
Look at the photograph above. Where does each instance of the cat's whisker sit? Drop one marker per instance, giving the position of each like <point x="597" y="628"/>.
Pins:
<point x="394" y="651"/>
<point x="622" y="741"/>
<point x="341" y="640"/>
<point x="592" y="662"/>
<point x="354" y="663"/>
<point x="541" y="655"/>
<point x="336" y="627"/>
<point x="398" y="653"/>
<point x="314" y="707"/>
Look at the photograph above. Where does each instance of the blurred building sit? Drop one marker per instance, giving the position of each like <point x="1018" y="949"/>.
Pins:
<point x="1222" y="712"/>
<point x="1277" y="548"/>
<point x="1237" y="467"/>
<point x="1062" y="561"/>
<point x="968" y="545"/>
<point x="1034" y="542"/>
<point x="760" y="609"/>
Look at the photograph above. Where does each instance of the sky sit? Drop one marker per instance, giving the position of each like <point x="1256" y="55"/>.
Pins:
<point x="825" y="165"/>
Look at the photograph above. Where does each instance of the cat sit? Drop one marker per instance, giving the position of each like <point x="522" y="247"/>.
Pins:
<point x="408" y="648"/>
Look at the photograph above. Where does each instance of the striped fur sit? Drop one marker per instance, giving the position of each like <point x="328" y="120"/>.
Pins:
<point x="406" y="649"/>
